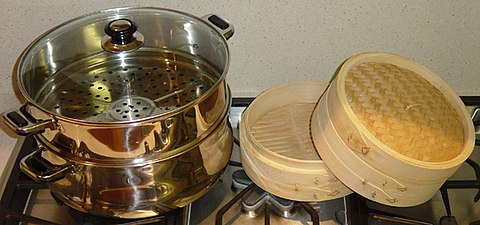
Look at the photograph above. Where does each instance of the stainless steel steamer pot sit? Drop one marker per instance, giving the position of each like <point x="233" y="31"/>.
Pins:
<point x="129" y="107"/>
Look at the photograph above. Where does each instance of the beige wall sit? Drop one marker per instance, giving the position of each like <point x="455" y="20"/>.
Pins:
<point x="282" y="41"/>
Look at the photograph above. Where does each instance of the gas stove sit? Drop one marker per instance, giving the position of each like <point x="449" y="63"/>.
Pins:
<point x="236" y="200"/>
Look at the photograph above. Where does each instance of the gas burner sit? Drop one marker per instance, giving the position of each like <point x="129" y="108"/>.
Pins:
<point x="448" y="220"/>
<point x="240" y="181"/>
<point x="256" y="200"/>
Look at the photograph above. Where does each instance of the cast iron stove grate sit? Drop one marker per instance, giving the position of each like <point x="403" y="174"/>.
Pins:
<point x="261" y="200"/>
<point x="449" y="219"/>
<point x="358" y="212"/>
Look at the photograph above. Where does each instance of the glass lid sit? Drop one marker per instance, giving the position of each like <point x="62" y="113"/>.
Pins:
<point x="123" y="64"/>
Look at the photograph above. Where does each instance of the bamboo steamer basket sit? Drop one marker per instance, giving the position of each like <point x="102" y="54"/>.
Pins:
<point x="276" y="148"/>
<point x="390" y="129"/>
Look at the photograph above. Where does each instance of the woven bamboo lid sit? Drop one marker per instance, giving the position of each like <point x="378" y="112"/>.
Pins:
<point x="404" y="111"/>
<point x="405" y="106"/>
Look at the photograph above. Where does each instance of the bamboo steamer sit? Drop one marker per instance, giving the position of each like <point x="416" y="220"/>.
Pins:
<point x="276" y="148"/>
<point x="390" y="129"/>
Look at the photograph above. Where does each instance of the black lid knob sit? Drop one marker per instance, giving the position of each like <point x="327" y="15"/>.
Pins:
<point x="121" y="31"/>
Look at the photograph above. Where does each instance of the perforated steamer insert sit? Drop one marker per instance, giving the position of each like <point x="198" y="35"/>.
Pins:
<point x="122" y="89"/>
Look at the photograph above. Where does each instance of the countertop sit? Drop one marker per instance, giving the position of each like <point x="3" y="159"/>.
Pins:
<point x="7" y="137"/>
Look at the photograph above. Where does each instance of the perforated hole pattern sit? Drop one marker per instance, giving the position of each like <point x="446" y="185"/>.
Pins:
<point x="128" y="92"/>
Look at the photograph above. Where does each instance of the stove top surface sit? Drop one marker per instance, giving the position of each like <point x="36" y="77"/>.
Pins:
<point x="32" y="199"/>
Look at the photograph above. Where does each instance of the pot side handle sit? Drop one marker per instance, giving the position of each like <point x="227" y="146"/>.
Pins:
<point x="220" y="24"/>
<point x="21" y="122"/>
<point x="40" y="169"/>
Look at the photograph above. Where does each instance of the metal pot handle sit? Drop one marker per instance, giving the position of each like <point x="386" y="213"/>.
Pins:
<point x="23" y="123"/>
<point x="220" y="24"/>
<point x="42" y="170"/>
